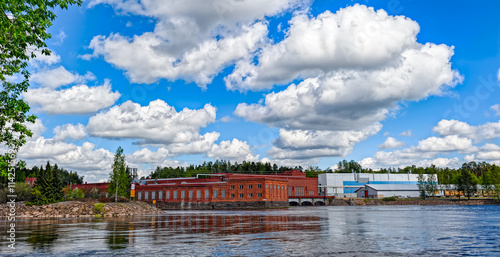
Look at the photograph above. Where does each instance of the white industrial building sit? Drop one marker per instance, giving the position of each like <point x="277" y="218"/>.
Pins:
<point x="388" y="190"/>
<point x="346" y="184"/>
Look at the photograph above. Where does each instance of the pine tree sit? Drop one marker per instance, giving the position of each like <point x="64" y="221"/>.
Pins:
<point x="57" y="184"/>
<point x="48" y="186"/>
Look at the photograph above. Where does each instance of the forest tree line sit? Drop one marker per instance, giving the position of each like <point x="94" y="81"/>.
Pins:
<point x="66" y="177"/>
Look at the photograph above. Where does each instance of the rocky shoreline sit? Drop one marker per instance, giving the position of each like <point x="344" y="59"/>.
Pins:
<point x="79" y="209"/>
<point x="414" y="202"/>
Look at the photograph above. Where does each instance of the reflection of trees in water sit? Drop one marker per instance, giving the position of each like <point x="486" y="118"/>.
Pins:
<point x="42" y="233"/>
<point x="118" y="233"/>
<point x="42" y="236"/>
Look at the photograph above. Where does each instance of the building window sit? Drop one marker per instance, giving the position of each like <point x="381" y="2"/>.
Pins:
<point x="250" y="195"/>
<point x="215" y="193"/>
<point x="183" y="194"/>
<point x="168" y="194"/>
<point x="175" y="194"/>
<point x="250" y="186"/>
<point x="289" y="191"/>
<point x="232" y="186"/>
<point x="139" y="196"/>
<point x="259" y="185"/>
<point x="274" y="186"/>
<point x="198" y="194"/>
<point x="267" y="185"/>
<point x="232" y="195"/>
<point x="160" y="195"/>
<point x="241" y="195"/>
<point x="146" y="195"/>
<point x="190" y="194"/>
<point x="282" y="187"/>
<point x="241" y="186"/>
<point x="299" y="191"/>
<point x="259" y="194"/>
<point x="206" y="194"/>
<point x="311" y="192"/>
<point x="223" y="193"/>
<point x="153" y="195"/>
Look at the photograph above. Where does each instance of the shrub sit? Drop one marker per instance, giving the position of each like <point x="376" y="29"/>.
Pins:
<point x="389" y="199"/>
<point x="37" y="198"/>
<point x="75" y="194"/>
<point x="99" y="209"/>
<point x="21" y="190"/>
<point x="94" y="193"/>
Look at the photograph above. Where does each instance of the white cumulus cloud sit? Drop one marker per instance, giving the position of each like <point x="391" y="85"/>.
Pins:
<point x="232" y="150"/>
<point x="489" y="130"/>
<point x="55" y="78"/>
<point x="92" y="162"/>
<point x="391" y="143"/>
<point x="75" y="132"/>
<point x="192" y="40"/>
<point x="446" y="144"/>
<point x="157" y="123"/>
<point x="75" y="100"/>
<point x="309" y="144"/>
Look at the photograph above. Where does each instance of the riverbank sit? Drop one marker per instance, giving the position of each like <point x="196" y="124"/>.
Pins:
<point x="79" y="209"/>
<point x="414" y="202"/>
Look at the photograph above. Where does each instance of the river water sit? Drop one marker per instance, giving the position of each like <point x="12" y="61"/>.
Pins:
<point x="297" y="231"/>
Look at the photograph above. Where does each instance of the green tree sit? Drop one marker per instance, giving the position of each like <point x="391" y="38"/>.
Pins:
<point x="119" y="180"/>
<point x="48" y="188"/>
<point x="467" y="183"/>
<point x="347" y="167"/>
<point x="422" y="185"/>
<point x="431" y="186"/>
<point x="23" y="31"/>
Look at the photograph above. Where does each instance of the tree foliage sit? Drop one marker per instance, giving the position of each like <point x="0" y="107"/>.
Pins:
<point x="422" y="185"/>
<point x="119" y="179"/>
<point x="48" y="186"/>
<point x="223" y="166"/>
<point x="348" y="167"/>
<point x="23" y="31"/>
<point x="467" y="183"/>
<point x="66" y="177"/>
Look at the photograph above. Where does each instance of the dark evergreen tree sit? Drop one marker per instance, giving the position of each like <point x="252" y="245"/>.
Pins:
<point x="57" y="184"/>
<point x="467" y="183"/>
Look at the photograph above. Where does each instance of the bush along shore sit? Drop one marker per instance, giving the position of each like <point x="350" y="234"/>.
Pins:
<point x="395" y="201"/>
<point x="80" y="209"/>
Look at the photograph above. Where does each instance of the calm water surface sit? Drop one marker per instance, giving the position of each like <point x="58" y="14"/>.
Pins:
<point x="299" y="231"/>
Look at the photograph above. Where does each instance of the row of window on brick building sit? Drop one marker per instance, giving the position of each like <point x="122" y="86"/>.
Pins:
<point x="206" y="192"/>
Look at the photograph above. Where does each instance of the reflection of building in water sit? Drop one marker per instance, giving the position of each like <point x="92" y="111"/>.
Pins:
<point x="233" y="224"/>
<point x="218" y="191"/>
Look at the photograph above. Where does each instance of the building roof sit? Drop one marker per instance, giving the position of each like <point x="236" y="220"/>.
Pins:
<point x="392" y="187"/>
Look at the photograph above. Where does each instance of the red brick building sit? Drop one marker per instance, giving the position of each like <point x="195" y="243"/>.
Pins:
<point x="298" y="183"/>
<point x="227" y="190"/>
<point x="30" y="181"/>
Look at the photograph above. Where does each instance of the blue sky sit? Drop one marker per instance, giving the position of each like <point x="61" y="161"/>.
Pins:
<point x="384" y="83"/>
